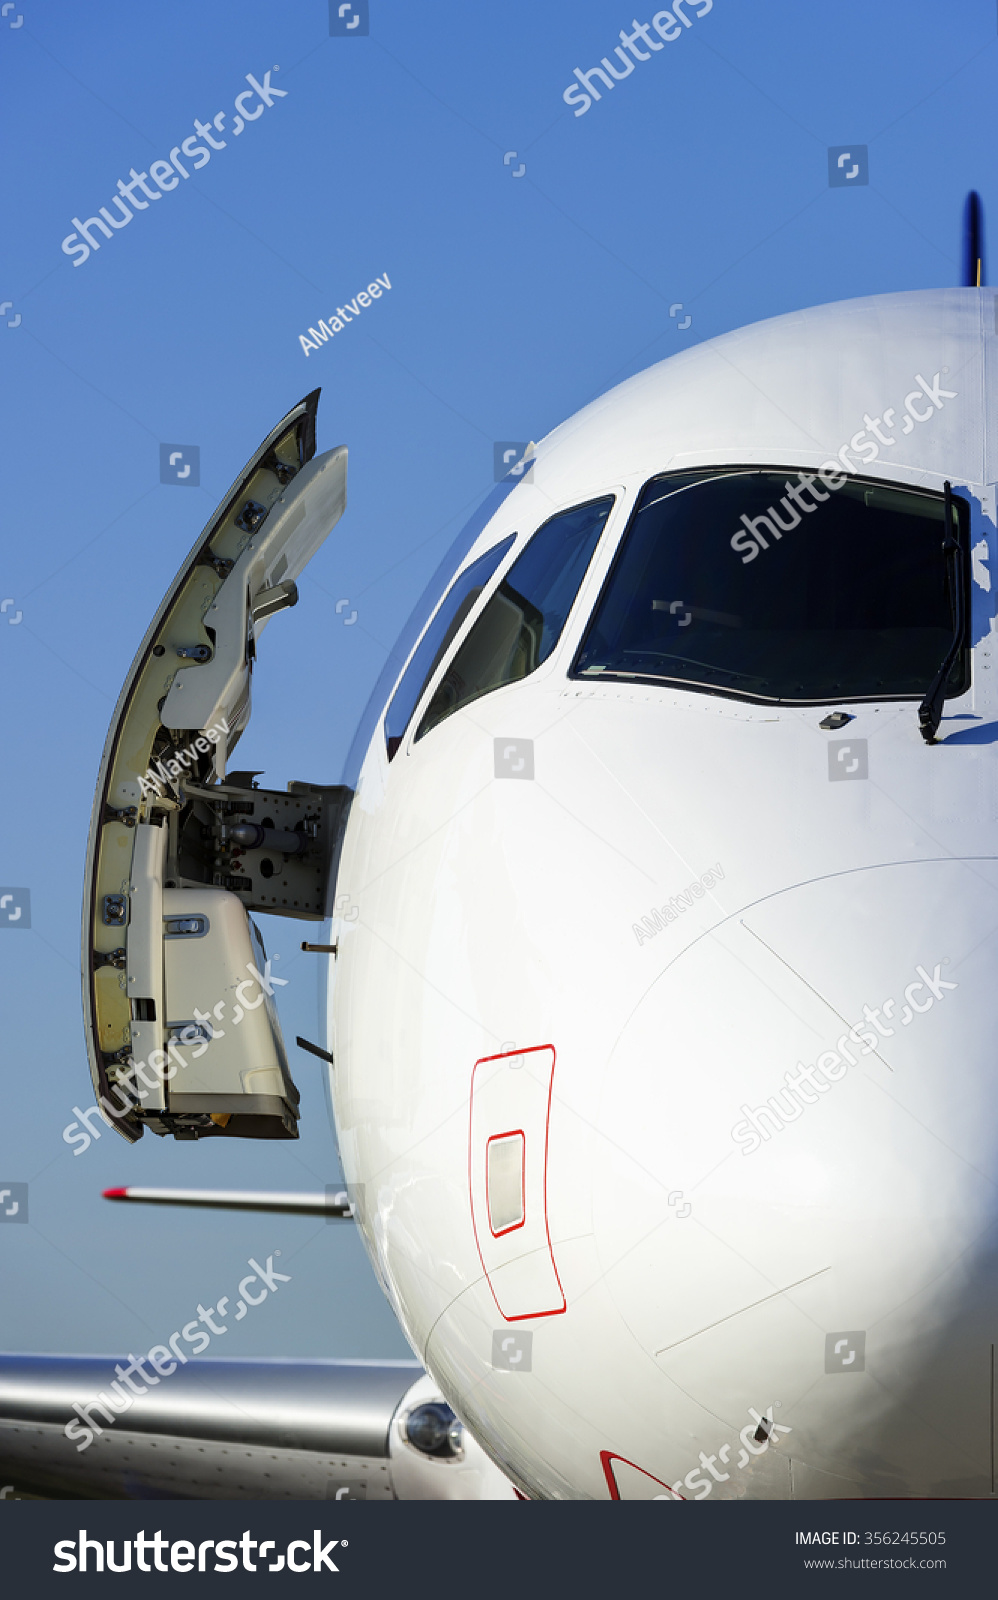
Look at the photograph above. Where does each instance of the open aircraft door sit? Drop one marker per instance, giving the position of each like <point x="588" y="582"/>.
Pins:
<point x="182" y="1031"/>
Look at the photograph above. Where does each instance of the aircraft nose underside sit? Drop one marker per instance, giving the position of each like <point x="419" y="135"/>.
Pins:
<point x="755" y="1231"/>
<point x="808" y="1216"/>
<point x="740" y="1174"/>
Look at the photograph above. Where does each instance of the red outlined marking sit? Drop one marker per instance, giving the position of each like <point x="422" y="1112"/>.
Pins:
<point x="513" y="1133"/>
<point x="608" y="1456"/>
<point x="507" y="1055"/>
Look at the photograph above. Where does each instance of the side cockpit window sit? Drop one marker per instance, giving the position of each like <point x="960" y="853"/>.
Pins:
<point x="433" y="646"/>
<point x="522" y="623"/>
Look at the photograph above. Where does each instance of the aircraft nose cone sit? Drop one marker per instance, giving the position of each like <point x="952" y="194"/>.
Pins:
<point x="817" y="1194"/>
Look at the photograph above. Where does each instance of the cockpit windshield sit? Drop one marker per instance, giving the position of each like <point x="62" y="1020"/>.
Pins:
<point x="779" y="585"/>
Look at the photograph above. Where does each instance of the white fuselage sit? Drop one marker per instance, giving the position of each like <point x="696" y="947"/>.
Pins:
<point x="731" y="1285"/>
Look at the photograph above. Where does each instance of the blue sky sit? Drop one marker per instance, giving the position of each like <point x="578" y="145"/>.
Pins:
<point x="700" y="180"/>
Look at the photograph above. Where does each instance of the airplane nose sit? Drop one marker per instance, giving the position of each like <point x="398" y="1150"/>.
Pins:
<point x="809" y="1216"/>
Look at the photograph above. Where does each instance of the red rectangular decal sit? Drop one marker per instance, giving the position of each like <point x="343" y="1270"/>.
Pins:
<point x="507" y="1177"/>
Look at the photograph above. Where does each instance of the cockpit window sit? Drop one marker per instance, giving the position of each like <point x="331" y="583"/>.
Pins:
<point x="522" y="622"/>
<point x="446" y="623"/>
<point x="779" y="585"/>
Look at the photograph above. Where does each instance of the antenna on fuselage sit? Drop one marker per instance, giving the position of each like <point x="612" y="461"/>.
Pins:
<point x="973" y="242"/>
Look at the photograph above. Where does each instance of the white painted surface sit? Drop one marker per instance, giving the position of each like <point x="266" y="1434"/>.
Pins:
<point x="488" y="916"/>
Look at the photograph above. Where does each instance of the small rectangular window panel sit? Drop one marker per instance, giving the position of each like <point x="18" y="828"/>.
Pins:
<point x="505" y="1177"/>
<point x="765" y="584"/>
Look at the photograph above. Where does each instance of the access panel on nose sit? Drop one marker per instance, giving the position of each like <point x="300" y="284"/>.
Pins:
<point x="507" y="1170"/>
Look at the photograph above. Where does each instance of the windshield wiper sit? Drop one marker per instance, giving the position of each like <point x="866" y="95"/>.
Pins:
<point x="931" y="709"/>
